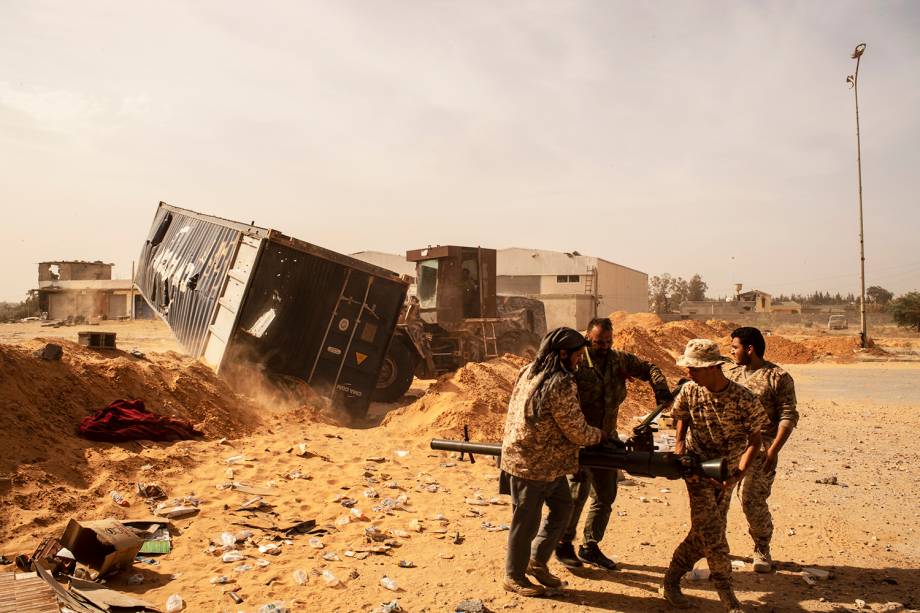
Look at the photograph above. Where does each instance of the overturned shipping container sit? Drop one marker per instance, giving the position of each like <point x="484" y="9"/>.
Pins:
<point x="237" y="295"/>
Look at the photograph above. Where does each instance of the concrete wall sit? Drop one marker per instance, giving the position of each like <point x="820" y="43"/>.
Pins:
<point x="549" y="284"/>
<point x="74" y="271"/>
<point x="620" y="289"/>
<point x="573" y="310"/>
<point x="521" y="285"/>
<point x="89" y="304"/>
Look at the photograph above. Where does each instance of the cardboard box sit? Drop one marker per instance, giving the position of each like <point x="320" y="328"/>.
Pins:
<point x="104" y="545"/>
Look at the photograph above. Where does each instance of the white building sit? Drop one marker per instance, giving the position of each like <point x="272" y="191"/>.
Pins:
<point x="573" y="287"/>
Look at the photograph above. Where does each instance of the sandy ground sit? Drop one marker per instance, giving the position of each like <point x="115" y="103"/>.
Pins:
<point x="859" y="423"/>
<point x="144" y="335"/>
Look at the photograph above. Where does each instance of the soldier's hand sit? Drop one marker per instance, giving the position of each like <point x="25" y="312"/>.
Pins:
<point x="769" y="464"/>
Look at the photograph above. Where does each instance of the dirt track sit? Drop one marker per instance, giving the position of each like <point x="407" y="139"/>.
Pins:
<point x="859" y="423"/>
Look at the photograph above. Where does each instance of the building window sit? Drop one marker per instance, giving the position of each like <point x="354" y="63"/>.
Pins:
<point x="568" y="278"/>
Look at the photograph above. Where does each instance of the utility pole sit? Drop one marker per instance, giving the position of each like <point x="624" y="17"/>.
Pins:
<point x="853" y="80"/>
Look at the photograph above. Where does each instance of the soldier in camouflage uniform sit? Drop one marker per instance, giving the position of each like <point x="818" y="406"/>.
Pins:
<point x="776" y="391"/>
<point x="544" y="430"/>
<point x="601" y="391"/>
<point x="724" y="419"/>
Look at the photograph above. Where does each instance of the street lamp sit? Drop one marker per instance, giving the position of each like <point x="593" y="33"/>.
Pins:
<point x="852" y="81"/>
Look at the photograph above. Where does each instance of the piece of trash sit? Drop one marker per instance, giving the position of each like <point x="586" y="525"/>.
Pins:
<point x="235" y="597"/>
<point x="388" y="607"/>
<point x="104" y="545"/>
<point x="331" y="556"/>
<point x="665" y="490"/>
<point x="229" y="473"/>
<point x="737" y="564"/>
<point x="358" y="513"/>
<point x="400" y="533"/>
<point x="401" y="453"/>
<point x="342" y="521"/>
<point x="252" y="503"/>
<point x="791" y="532"/>
<point x="490" y="527"/>
<point x="315" y="543"/>
<point x="832" y="480"/>
<point x="261" y="563"/>
<point x="817" y="573"/>
<point x="300" y="577"/>
<point x="643" y="499"/>
<point x="697" y="574"/>
<point x="119" y="499"/>
<point x="136" y="579"/>
<point x="150" y="490"/>
<point x="51" y="352"/>
<point x="330" y="579"/>
<point x="232" y="556"/>
<point x="406" y="564"/>
<point x="242" y="568"/>
<point x="371" y="493"/>
<point x="809" y="578"/>
<point x="174" y="604"/>
<point x="228" y="539"/>
<point x="477" y="501"/>
<point x="498" y="501"/>
<point x="415" y="525"/>
<point x="389" y="584"/>
<point x="347" y="502"/>
<point x="141" y="559"/>
<point x="274" y="607"/>
<point x="222" y="579"/>
<point x="860" y="603"/>
<point x="271" y="549"/>
<point x="377" y="458"/>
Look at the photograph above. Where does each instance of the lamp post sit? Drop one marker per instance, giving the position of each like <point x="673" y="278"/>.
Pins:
<point x="852" y="81"/>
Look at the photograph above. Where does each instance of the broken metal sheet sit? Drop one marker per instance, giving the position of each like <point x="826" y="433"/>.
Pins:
<point x="109" y="600"/>
<point x="26" y="592"/>
<point x="72" y="601"/>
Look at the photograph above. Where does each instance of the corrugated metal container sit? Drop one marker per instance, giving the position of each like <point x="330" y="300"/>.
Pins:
<point x="237" y="294"/>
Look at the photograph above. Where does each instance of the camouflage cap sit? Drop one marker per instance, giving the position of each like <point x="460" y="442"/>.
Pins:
<point x="701" y="353"/>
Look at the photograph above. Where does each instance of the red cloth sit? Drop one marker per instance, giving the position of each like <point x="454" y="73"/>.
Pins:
<point x="128" y="420"/>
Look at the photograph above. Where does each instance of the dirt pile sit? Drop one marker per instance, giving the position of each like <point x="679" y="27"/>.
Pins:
<point x="50" y="397"/>
<point x="839" y="348"/>
<point x="644" y="343"/>
<point x="476" y="396"/>
<point x="622" y="319"/>
<point x="782" y="350"/>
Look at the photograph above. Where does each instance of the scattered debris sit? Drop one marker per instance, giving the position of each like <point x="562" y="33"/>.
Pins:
<point x="51" y="352"/>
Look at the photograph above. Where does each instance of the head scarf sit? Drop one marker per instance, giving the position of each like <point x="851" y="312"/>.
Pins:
<point x="549" y="368"/>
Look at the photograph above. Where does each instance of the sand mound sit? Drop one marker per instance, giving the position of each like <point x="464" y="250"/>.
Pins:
<point x="622" y="319"/>
<point x="839" y="348"/>
<point x="721" y="328"/>
<point x="643" y="343"/>
<point x="51" y="397"/>
<point x="782" y="350"/>
<point x="476" y="396"/>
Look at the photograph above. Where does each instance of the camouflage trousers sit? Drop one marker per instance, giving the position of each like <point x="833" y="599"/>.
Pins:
<point x="755" y="490"/>
<point x="708" y="515"/>
<point x="602" y="486"/>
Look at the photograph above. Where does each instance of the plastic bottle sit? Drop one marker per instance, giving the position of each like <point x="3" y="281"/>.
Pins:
<point x="330" y="579"/>
<point x="119" y="499"/>
<point x="174" y="604"/>
<point x="300" y="577"/>
<point x="389" y="584"/>
<point x="232" y="556"/>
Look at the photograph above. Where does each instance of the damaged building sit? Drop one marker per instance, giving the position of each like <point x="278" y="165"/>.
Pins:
<point x="77" y="289"/>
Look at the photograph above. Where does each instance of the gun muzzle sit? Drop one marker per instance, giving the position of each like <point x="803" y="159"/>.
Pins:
<point x="715" y="469"/>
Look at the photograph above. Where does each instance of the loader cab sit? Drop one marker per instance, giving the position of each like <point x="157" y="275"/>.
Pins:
<point x="454" y="283"/>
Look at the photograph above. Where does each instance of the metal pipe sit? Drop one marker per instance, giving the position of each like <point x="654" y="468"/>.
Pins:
<point x="854" y="80"/>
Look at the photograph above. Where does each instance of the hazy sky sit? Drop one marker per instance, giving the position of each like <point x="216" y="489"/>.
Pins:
<point x="681" y="137"/>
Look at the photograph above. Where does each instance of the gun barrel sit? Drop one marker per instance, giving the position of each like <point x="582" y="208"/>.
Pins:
<point x="639" y="463"/>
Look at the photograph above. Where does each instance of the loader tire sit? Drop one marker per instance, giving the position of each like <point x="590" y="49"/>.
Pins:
<point x="396" y="373"/>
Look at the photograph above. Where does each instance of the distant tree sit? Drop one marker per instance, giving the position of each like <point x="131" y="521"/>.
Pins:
<point x="696" y="289"/>
<point x="14" y="311"/>
<point x="665" y="293"/>
<point x="879" y="295"/>
<point x="906" y="310"/>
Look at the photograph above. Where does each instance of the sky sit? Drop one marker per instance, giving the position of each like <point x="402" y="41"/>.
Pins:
<point x="683" y="137"/>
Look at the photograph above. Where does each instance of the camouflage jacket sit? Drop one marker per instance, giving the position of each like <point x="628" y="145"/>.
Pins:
<point x="546" y="447"/>
<point x="719" y="423"/>
<point x="774" y="388"/>
<point x="602" y="387"/>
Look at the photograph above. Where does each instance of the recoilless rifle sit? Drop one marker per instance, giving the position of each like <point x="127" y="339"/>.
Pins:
<point x="638" y="455"/>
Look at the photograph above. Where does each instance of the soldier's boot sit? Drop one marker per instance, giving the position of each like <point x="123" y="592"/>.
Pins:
<point x="541" y="573"/>
<point x="592" y="554"/>
<point x="523" y="587"/>
<point x="670" y="590"/>
<point x="729" y="600"/>
<point x="565" y="553"/>
<point x="763" y="563"/>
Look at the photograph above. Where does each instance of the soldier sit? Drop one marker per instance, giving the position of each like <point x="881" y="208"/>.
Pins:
<point x="776" y="391"/>
<point x="544" y="429"/>
<point x="601" y="391"/>
<point x="724" y="419"/>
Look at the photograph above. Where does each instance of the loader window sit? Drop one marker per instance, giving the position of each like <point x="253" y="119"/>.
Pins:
<point x="427" y="284"/>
